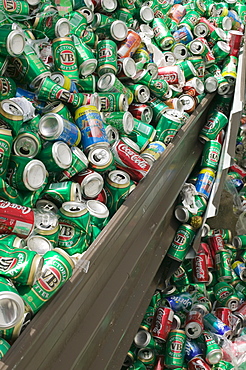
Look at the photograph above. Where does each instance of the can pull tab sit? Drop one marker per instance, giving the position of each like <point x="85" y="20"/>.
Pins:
<point x="188" y="193"/>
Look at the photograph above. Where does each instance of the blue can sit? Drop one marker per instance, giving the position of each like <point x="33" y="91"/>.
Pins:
<point x="90" y="122"/>
<point x="183" y="35"/>
<point x="53" y="127"/>
<point x="215" y="325"/>
<point x="192" y="349"/>
<point x="205" y="182"/>
<point x="180" y="302"/>
<point x="238" y="183"/>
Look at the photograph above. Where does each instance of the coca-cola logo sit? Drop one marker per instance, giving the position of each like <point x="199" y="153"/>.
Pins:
<point x="171" y="78"/>
<point x="134" y="157"/>
<point x="199" y="267"/>
<point x="158" y="321"/>
<point x="4" y="204"/>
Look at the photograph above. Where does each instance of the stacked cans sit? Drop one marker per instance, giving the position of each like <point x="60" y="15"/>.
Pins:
<point x="196" y="320"/>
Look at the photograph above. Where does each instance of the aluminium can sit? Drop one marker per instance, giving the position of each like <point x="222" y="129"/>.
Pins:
<point x="110" y="83"/>
<point x="57" y="156"/>
<point x="128" y="47"/>
<point x="141" y="93"/>
<point x="65" y="57"/>
<point x="215" y="325"/>
<point x="26" y="173"/>
<point x="175" y="349"/>
<point x="27" y="144"/>
<point x="57" y="269"/>
<point x="198" y="363"/>
<point x="117" y="186"/>
<point x="99" y="213"/>
<point x="162" y="323"/>
<point x="111" y="102"/>
<point x="205" y="182"/>
<point x="200" y="268"/>
<point x="101" y="159"/>
<point x="60" y="192"/>
<point x="39" y="244"/>
<point x="128" y="160"/>
<point x="225" y="315"/>
<point x="192" y="349"/>
<point x="194" y="324"/>
<point x="91" y="183"/>
<point x="53" y="127"/>
<point x="89" y="120"/>
<point x="142" y="112"/>
<point x="181" y="242"/>
<point x="213" y="350"/>
<point x="85" y="58"/>
<point x="106" y="56"/>
<point x="122" y="121"/>
<point x="6" y="141"/>
<point x="11" y="115"/>
<point x="79" y="163"/>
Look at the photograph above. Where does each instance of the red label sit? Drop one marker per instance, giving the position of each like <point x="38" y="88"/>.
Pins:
<point x="177" y="346"/>
<point x="7" y="263"/>
<point x="67" y="57"/>
<point x="9" y="5"/>
<point x="66" y="231"/>
<point x="50" y="279"/>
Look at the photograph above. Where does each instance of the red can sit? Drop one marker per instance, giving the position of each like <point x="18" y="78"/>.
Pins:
<point x="204" y="247"/>
<point x="102" y="197"/>
<point x="200" y="268"/>
<point x="128" y="46"/>
<point x="194" y="324"/>
<point x="172" y="74"/>
<point x="91" y="183"/>
<point x="130" y="161"/>
<point x="236" y="168"/>
<point x="210" y="25"/>
<point x="225" y="315"/>
<point x="216" y="243"/>
<point x="235" y="42"/>
<point x="142" y="112"/>
<point x="16" y="219"/>
<point x="197" y="363"/>
<point x="162" y="323"/>
<point x="220" y="137"/>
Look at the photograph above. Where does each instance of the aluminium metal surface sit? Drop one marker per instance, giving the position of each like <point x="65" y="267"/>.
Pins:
<point x="90" y="323"/>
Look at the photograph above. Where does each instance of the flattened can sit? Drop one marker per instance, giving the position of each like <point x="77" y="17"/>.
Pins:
<point x="175" y="349"/>
<point x="57" y="269"/>
<point x="129" y="161"/>
<point x="181" y="242"/>
<point x="205" y="182"/>
<point x="89" y="120"/>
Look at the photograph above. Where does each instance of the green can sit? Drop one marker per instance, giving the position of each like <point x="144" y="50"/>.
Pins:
<point x="199" y="65"/>
<point x="11" y="116"/>
<point x="9" y="193"/>
<point x="57" y="156"/>
<point x="65" y="191"/>
<point x="125" y="15"/>
<point x="90" y="38"/>
<point x="162" y="34"/>
<point x="138" y="365"/>
<point x="79" y="164"/>
<point x="188" y="68"/>
<point x="146" y="356"/>
<point x="4" y="347"/>
<point x="110" y="83"/>
<point x="50" y="90"/>
<point x="181" y="243"/>
<point x="30" y="67"/>
<point x="107" y="57"/>
<point x="213" y="350"/>
<point x="21" y="265"/>
<point x="30" y="198"/>
<point x="239" y="241"/>
<point x="158" y="108"/>
<point x="87" y="84"/>
<point x="85" y="58"/>
<point x="122" y="121"/>
<point x="12" y="241"/>
<point x="6" y="141"/>
<point x="241" y="10"/>
<point x="191" y="18"/>
<point x="180" y="278"/>
<point x="222" y="290"/>
<point x="113" y="102"/>
<point x="144" y="129"/>
<point x="159" y="88"/>
<point x="78" y="23"/>
<point x="211" y="154"/>
<point x="57" y="269"/>
<point x="229" y="69"/>
<point x="7" y="88"/>
<point x="223" y="365"/>
<point x="175" y="349"/>
<point x="215" y="123"/>
<point x="59" y="108"/>
<point x="75" y="227"/>
<point x="223" y="265"/>
<point x="117" y="186"/>
<point x="50" y="232"/>
<point x="65" y="57"/>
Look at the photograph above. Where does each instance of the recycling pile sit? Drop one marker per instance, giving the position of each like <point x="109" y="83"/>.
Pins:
<point x="88" y="102"/>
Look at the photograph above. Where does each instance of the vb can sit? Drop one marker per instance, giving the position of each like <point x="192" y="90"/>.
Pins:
<point x="181" y="243"/>
<point x="57" y="269"/>
<point x="57" y="156"/>
<point x="65" y="57"/>
<point x="175" y="349"/>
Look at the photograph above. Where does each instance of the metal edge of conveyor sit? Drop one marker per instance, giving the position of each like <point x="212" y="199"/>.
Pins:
<point x="228" y="149"/>
<point x="89" y="323"/>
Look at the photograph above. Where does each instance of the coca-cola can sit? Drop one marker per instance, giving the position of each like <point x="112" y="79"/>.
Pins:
<point x="142" y="112"/>
<point x="162" y="323"/>
<point x="204" y="248"/>
<point x="200" y="268"/>
<point x="197" y="363"/>
<point x="16" y="219"/>
<point x="235" y="42"/>
<point x="172" y="74"/>
<point x="130" y="161"/>
<point x="225" y="315"/>
<point x="194" y="324"/>
<point x="216" y="243"/>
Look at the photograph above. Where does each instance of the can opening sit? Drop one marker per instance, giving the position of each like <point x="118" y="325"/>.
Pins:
<point x="141" y="339"/>
<point x="49" y="127"/>
<point x="10" y="311"/>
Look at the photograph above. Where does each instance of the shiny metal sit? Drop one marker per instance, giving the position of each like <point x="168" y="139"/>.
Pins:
<point x="97" y="209"/>
<point x="62" y="154"/>
<point x="15" y="42"/>
<point x="39" y="244"/>
<point x="34" y="174"/>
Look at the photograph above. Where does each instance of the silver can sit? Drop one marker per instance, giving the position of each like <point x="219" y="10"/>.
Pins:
<point x="211" y="84"/>
<point x="91" y="183"/>
<point x="15" y="43"/>
<point x="45" y="205"/>
<point x="39" y="244"/>
<point x="118" y="30"/>
<point x="169" y="58"/>
<point x="62" y="27"/>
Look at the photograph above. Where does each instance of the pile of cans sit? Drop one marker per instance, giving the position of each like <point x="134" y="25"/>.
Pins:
<point x="197" y="321"/>
<point x="89" y="101"/>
